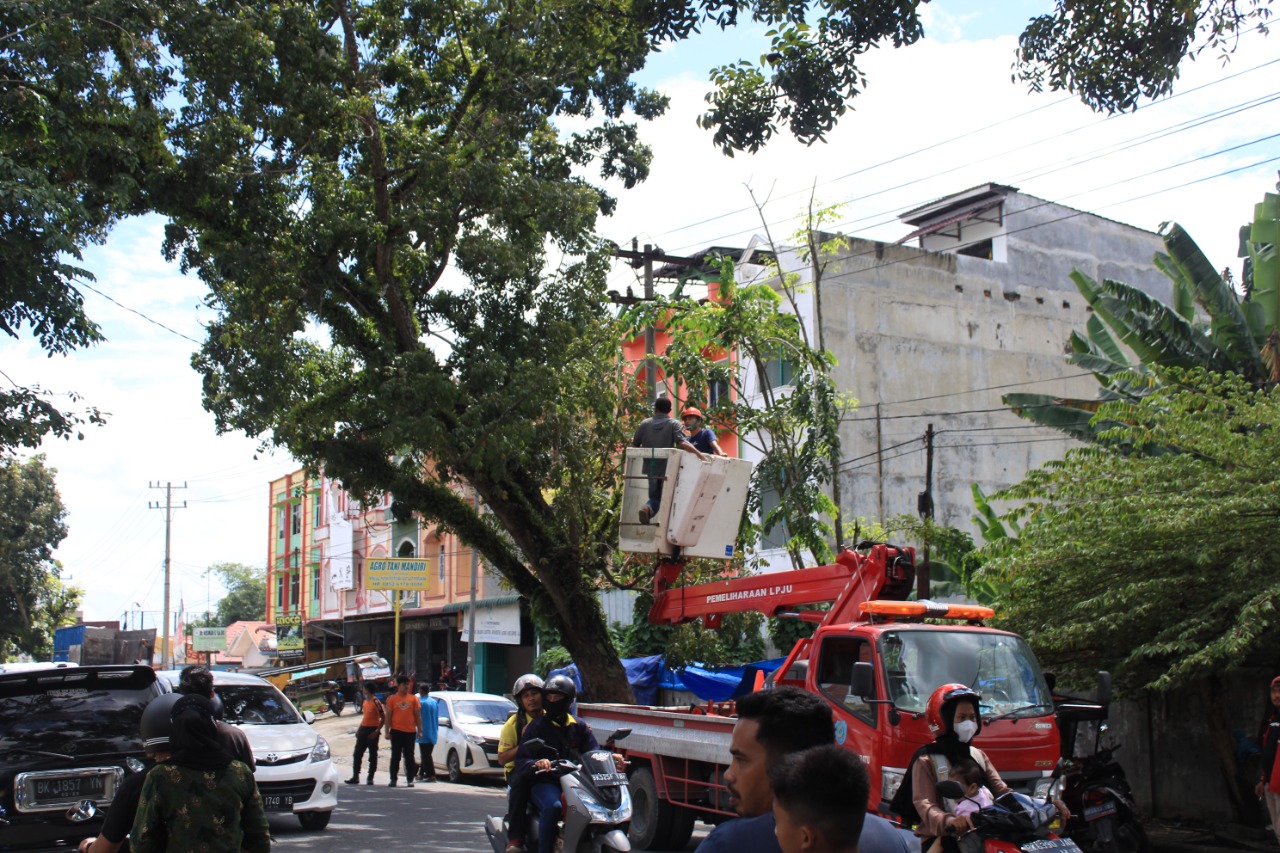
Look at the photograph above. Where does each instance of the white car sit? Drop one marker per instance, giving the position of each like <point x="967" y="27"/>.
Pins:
<point x="295" y="772"/>
<point x="470" y="723"/>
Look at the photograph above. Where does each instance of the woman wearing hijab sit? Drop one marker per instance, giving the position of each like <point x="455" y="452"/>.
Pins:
<point x="954" y="719"/>
<point x="201" y="800"/>
<point x="1268" y="787"/>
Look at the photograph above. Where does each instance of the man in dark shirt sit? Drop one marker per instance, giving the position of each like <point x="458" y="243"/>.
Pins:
<point x="660" y="432"/>
<point x="772" y="724"/>
<point x="198" y="680"/>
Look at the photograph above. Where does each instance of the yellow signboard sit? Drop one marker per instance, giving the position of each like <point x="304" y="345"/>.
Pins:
<point x="397" y="573"/>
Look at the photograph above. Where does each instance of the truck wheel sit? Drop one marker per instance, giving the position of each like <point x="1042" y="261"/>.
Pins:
<point x="314" y="820"/>
<point x="681" y="827"/>
<point x="650" y="815"/>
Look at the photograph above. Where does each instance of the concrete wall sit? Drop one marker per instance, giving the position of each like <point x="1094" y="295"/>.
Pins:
<point x="938" y="338"/>
<point x="1169" y="759"/>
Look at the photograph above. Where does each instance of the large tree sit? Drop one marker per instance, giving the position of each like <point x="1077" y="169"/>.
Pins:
<point x="33" y="600"/>
<point x="79" y="131"/>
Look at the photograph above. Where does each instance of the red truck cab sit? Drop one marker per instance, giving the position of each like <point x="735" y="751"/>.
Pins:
<point x="879" y="707"/>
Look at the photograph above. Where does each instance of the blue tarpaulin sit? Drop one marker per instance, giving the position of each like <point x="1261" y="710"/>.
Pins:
<point x="646" y="675"/>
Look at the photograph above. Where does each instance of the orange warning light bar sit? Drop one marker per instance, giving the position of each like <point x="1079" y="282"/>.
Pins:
<point x="935" y="610"/>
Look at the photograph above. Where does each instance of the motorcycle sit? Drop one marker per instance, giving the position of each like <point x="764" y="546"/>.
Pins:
<point x="1104" y="817"/>
<point x="1014" y="824"/>
<point x="596" y="803"/>
<point x="333" y="697"/>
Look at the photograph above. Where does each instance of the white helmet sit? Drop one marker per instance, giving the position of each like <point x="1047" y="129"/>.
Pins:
<point x="526" y="682"/>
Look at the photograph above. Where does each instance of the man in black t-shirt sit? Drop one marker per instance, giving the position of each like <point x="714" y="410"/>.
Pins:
<point x="660" y="432"/>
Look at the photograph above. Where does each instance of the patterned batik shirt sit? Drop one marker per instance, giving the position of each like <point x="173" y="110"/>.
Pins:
<point x="184" y="810"/>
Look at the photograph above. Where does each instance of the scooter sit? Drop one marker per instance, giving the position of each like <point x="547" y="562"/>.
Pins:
<point x="1014" y="824"/>
<point x="1104" y="818"/>
<point x="596" y="801"/>
<point x="333" y="697"/>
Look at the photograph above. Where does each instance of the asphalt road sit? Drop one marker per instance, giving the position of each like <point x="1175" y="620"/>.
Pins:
<point x="440" y="817"/>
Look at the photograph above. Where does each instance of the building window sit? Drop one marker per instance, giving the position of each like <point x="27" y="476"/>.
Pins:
<point x="315" y="581"/>
<point x="280" y="522"/>
<point x="775" y="538"/>
<point x="441" y="571"/>
<point x="282" y="587"/>
<point x="778" y="373"/>
<point x="315" y="510"/>
<point x="718" y="385"/>
<point x="295" y="589"/>
<point x="295" y="512"/>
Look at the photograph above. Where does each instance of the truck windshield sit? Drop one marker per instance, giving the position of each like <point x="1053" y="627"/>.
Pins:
<point x="1000" y="667"/>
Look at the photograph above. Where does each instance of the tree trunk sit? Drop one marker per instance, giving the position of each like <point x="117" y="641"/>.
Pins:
<point x="604" y="679"/>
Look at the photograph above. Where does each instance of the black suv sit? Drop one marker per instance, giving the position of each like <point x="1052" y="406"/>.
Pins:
<point x="66" y="736"/>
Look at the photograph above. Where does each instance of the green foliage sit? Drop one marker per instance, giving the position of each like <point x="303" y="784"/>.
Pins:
<point x="1111" y="54"/>
<point x="738" y="640"/>
<point x="1159" y="567"/>
<point x="785" y="633"/>
<point x="33" y="601"/>
<point x="79" y="130"/>
<point x="246" y="596"/>
<point x="554" y="657"/>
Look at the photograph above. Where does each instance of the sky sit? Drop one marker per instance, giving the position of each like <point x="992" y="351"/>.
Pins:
<point x="936" y="118"/>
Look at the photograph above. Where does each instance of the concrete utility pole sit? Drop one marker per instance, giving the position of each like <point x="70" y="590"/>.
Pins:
<point x="168" y="529"/>
<point x="924" y="503"/>
<point x="471" y="612"/>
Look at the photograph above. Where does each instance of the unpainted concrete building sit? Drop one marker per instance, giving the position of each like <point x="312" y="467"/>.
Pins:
<point x="935" y="333"/>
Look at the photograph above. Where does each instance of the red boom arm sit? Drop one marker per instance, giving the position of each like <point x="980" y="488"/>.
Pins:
<point x="884" y="572"/>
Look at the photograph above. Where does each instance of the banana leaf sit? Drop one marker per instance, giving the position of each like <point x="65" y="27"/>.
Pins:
<point x="1230" y="329"/>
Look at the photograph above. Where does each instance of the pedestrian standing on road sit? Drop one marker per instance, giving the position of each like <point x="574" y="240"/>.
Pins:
<point x="699" y="436"/>
<point x="403" y="727"/>
<point x="201" y="800"/>
<point x="372" y="716"/>
<point x="428" y="734"/>
<point x="1268" y="787"/>
<point x="659" y="432"/>
<point x="197" y="680"/>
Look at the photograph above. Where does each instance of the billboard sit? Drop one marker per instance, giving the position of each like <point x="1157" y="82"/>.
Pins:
<point x="397" y="573"/>
<point x="209" y="639"/>
<point x="289" y="641"/>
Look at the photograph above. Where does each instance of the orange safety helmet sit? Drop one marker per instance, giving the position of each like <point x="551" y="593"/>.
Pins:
<point x="940" y="712"/>
<point x="690" y="411"/>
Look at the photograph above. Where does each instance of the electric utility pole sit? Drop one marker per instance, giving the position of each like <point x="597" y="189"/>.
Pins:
<point x="924" y="504"/>
<point x="645" y="259"/>
<point x="168" y="528"/>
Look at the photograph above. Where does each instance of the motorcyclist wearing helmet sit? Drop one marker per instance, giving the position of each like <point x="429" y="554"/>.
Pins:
<point x="955" y="720"/>
<point x="560" y="731"/>
<point x="527" y="691"/>
<point x="699" y="436"/>
<point x="156" y="728"/>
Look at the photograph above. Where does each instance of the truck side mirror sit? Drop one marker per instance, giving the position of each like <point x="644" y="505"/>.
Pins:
<point x="862" y="682"/>
<point x="1104" y="687"/>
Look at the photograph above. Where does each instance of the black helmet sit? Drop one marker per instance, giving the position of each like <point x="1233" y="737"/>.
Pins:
<point x="157" y="723"/>
<point x="563" y="685"/>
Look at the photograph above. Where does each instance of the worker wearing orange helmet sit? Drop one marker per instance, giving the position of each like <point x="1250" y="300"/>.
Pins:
<point x="699" y="436"/>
